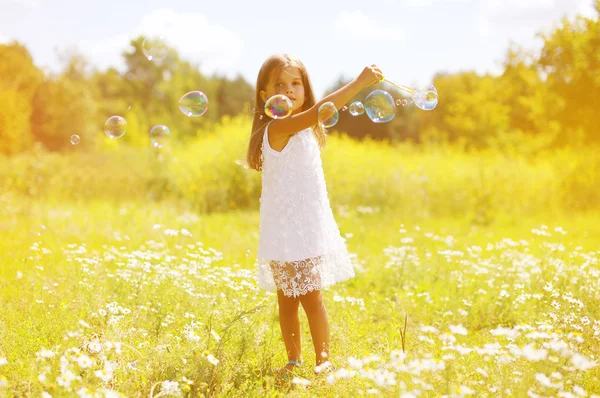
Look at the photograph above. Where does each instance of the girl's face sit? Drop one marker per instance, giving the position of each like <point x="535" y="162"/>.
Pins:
<point x="289" y="83"/>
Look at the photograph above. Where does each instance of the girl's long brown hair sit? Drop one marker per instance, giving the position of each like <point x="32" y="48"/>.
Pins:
<point x="272" y="67"/>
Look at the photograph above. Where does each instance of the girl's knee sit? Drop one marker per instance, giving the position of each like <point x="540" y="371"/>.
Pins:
<point x="312" y="301"/>
<point x="288" y="303"/>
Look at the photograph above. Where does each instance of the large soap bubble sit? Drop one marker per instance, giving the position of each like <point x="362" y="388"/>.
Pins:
<point x="155" y="49"/>
<point x="328" y="114"/>
<point x="426" y="98"/>
<point x="380" y="106"/>
<point x="193" y="104"/>
<point x="356" y="108"/>
<point x="278" y="107"/>
<point x="115" y="127"/>
<point x="159" y="135"/>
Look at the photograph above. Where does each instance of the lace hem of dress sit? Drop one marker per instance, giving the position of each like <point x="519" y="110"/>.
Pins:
<point x="296" y="278"/>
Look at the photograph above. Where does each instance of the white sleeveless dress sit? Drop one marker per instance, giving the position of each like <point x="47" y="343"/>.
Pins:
<point x="300" y="246"/>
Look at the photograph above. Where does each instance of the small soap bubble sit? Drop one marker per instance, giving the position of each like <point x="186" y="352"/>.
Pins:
<point x="404" y="102"/>
<point x="328" y="114"/>
<point x="115" y="127"/>
<point x="398" y="102"/>
<point x="356" y="108"/>
<point x="155" y="49"/>
<point x="75" y="139"/>
<point x="193" y="104"/>
<point x="159" y="135"/>
<point x="344" y="108"/>
<point x="278" y="107"/>
<point x="380" y="106"/>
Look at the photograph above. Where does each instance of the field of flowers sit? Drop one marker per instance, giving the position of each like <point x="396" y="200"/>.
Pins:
<point x="130" y="273"/>
<point x="146" y="299"/>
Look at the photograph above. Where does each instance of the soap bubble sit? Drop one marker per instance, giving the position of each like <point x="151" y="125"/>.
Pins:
<point x="398" y="102"/>
<point x="426" y="98"/>
<point x="115" y="127"/>
<point x="380" y="106"/>
<point x="328" y="114"/>
<point x="193" y="104"/>
<point x="155" y="49"/>
<point x="344" y="108"/>
<point x="278" y="107"/>
<point x="75" y="139"/>
<point x="404" y="102"/>
<point x="159" y="135"/>
<point x="357" y="108"/>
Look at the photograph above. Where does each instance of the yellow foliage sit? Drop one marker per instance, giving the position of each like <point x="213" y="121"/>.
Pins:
<point x="15" y="133"/>
<point x="207" y="173"/>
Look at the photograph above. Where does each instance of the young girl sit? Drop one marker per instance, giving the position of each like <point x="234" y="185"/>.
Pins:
<point x="300" y="248"/>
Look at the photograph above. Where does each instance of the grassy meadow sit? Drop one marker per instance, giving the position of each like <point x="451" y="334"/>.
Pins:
<point x="130" y="273"/>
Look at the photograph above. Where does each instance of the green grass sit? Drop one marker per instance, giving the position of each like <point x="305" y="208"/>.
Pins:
<point x="102" y="271"/>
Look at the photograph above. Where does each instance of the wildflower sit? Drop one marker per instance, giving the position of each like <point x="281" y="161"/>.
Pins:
<point x="44" y="353"/>
<point x="428" y="329"/>
<point x="320" y="368"/>
<point x="95" y="346"/>
<point x="170" y="388"/>
<point x="300" y="381"/>
<point x="482" y="372"/>
<point x="397" y="355"/>
<point x="458" y="329"/>
<point x="84" y="361"/>
<point x="581" y="362"/>
<point x="355" y="363"/>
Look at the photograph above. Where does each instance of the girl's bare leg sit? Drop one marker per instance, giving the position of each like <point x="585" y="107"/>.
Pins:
<point x="313" y="305"/>
<point x="290" y="326"/>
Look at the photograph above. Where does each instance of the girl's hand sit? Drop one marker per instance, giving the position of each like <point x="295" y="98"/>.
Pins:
<point x="370" y="75"/>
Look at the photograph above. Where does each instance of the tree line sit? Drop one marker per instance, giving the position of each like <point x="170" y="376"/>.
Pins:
<point x="549" y="98"/>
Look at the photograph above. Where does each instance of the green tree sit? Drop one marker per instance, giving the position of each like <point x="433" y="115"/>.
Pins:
<point x="19" y="79"/>
<point x="15" y="132"/>
<point x="61" y="108"/>
<point x="233" y="95"/>
<point x="570" y="61"/>
<point x="17" y="70"/>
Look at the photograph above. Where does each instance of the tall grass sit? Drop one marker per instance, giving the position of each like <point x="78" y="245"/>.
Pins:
<point x="207" y="174"/>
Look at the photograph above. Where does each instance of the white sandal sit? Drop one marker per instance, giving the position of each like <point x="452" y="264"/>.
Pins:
<point x="324" y="368"/>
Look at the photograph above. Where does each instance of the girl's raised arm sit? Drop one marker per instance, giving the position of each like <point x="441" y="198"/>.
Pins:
<point x="300" y="121"/>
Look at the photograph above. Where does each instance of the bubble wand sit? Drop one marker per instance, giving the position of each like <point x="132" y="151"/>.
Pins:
<point x="425" y="99"/>
<point x="409" y="90"/>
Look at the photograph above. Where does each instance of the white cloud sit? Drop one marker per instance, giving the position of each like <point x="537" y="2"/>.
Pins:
<point x="28" y="3"/>
<point x="357" y="25"/>
<point x="518" y="11"/>
<point x="3" y="39"/>
<point x="516" y="8"/>
<point x="214" y="47"/>
<point x="522" y="19"/>
<point x="429" y="3"/>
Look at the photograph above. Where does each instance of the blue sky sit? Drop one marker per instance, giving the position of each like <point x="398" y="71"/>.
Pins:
<point x="409" y="39"/>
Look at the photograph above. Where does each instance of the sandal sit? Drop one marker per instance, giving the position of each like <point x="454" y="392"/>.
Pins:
<point x="287" y="373"/>
<point x="324" y="368"/>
